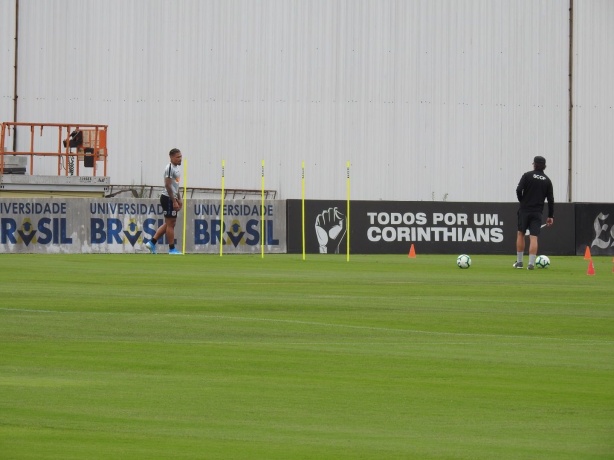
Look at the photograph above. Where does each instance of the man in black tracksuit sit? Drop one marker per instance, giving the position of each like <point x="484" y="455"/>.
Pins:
<point x="533" y="189"/>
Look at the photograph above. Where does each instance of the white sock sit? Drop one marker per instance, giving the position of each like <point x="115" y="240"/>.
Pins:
<point x="519" y="257"/>
<point x="532" y="258"/>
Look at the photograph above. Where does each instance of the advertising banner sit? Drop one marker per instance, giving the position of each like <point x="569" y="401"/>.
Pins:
<point x="378" y="227"/>
<point x="114" y="225"/>
<point x="595" y="228"/>
<point x="244" y="227"/>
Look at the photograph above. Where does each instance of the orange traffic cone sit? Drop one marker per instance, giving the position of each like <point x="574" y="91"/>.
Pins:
<point x="412" y="252"/>
<point x="591" y="268"/>
<point x="587" y="254"/>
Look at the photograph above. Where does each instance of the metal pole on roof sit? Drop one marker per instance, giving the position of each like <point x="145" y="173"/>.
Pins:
<point x="570" y="123"/>
<point x="15" y="73"/>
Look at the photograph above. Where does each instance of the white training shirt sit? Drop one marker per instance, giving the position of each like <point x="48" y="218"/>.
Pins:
<point x="174" y="173"/>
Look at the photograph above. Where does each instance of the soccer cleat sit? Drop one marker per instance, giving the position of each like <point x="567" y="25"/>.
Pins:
<point x="151" y="247"/>
<point x="531" y="267"/>
<point x="517" y="265"/>
<point x="174" y="252"/>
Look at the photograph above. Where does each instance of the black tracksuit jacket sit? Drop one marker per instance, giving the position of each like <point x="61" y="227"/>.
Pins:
<point x="535" y="187"/>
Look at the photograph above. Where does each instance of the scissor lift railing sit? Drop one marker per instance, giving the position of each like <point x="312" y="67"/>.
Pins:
<point x="76" y="143"/>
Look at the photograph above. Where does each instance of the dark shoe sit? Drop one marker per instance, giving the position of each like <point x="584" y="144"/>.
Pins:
<point x="530" y="267"/>
<point x="517" y="265"/>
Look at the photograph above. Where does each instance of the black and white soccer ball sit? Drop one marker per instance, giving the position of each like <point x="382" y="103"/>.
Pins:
<point x="463" y="261"/>
<point x="542" y="262"/>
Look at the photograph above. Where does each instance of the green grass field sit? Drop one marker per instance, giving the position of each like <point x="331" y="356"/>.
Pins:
<point x="239" y="357"/>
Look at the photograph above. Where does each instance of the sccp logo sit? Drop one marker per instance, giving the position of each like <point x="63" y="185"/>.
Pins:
<point x="604" y="233"/>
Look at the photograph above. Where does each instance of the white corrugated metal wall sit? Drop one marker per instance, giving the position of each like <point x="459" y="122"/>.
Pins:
<point x="593" y="112"/>
<point x="7" y="58"/>
<point x="428" y="99"/>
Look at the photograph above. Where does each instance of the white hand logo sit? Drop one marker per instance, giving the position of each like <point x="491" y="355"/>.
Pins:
<point x="330" y="229"/>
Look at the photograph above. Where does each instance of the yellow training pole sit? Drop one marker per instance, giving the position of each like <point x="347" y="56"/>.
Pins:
<point x="262" y="226"/>
<point x="303" y="204"/>
<point x="185" y="201"/>
<point x="348" y="211"/>
<point x="222" y="214"/>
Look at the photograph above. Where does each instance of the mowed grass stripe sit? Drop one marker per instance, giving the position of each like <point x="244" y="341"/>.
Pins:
<point x="138" y="318"/>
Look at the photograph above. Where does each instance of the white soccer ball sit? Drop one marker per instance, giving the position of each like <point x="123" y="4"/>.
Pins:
<point x="542" y="262"/>
<point x="463" y="261"/>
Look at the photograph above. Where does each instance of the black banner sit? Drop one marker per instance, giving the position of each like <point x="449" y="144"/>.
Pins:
<point x="595" y="228"/>
<point x="391" y="227"/>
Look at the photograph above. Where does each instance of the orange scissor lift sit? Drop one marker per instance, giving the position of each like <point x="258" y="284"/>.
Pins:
<point x="78" y="146"/>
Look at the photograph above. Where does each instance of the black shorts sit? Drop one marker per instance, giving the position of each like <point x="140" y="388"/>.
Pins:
<point x="531" y="220"/>
<point x="167" y="206"/>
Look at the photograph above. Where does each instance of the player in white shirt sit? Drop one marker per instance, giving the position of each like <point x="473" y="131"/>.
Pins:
<point x="171" y="203"/>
